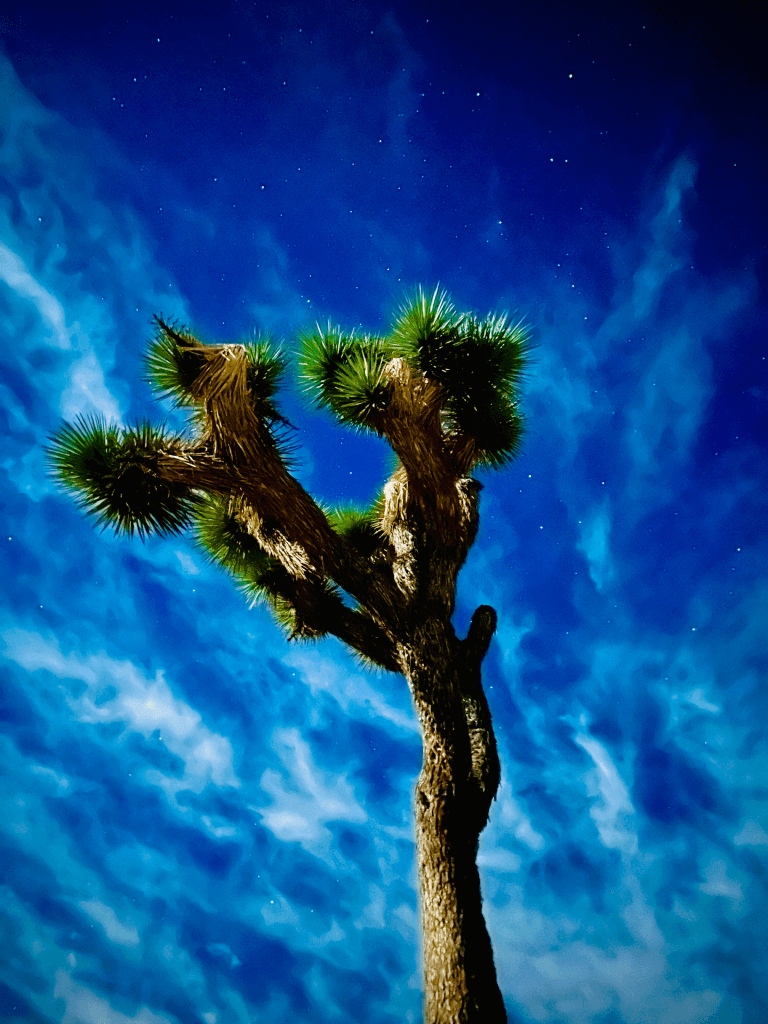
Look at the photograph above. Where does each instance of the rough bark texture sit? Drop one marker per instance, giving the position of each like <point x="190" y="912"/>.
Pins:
<point x="458" y="780"/>
<point x="404" y="592"/>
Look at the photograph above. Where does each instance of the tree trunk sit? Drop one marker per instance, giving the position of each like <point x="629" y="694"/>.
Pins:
<point x="460" y="985"/>
<point x="458" y="780"/>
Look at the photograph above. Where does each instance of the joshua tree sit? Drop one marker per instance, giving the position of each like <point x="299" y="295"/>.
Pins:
<point x="442" y="388"/>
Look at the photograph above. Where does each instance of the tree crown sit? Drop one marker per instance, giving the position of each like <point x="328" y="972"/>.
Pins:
<point x="443" y="388"/>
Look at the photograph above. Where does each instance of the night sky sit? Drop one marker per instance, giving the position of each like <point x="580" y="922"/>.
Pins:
<point x="202" y="823"/>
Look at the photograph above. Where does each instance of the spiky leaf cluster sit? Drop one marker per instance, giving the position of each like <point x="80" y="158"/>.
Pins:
<point x="260" y="577"/>
<point x="483" y="369"/>
<point x="113" y="474"/>
<point x="228" y="543"/>
<point x="225" y="539"/>
<point x="477" y="363"/>
<point x="176" y="358"/>
<point x="173" y="362"/>
<point x="426" y="331"/>
<point x="344" y="373"/>
<point x="358" y="526"/>
<point x="266" y="367"/>
<point x="263" y="580"/>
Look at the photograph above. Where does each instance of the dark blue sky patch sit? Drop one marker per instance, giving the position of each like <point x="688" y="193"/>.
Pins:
<point x="211" y="857"/>
<point x="307" y="893"/>
<point x="353" y="990"/>
<point x="355" y="845"/>
<point x="265" y="965"/>
<point x="387" y="759"/>
<point x="117" y="986"/>
<point x="608" y="729"/>
<point x="546" y="678"/>
<point x="671" y="790"/>
<point x="17" y="712"/>
<point x="15" y="1007"/>
<point x="153" y="752"/>
<point x="544" y="805"/>
<point x="612" y="1016"/>
<point x="290" y="863"/>
<point x="35" y="882"/>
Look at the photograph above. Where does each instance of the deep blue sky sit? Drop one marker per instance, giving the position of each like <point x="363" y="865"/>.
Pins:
<point x="204" y="824"/>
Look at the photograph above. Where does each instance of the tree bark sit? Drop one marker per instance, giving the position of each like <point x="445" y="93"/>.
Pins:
<point x="458" y="781"/>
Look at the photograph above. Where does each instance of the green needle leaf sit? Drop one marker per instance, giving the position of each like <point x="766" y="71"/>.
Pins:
<point x="344" y="373"/>
<point x="426" y="327"/>
<point x="113" y="473"/>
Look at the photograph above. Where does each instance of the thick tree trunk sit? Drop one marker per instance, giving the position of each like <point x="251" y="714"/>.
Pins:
<point x="460" y="985"/>
<point x="459" y="778"/>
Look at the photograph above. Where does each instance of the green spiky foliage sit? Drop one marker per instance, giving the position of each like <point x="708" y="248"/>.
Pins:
<point x="225" y="538"/>
<point x="358" y="526"/>
<point x="227" y="542"/>
<point x="482" y="374"/>
<point x="112" y="473"/>
<point x="478" y="364"/>
<point x="426" y="328"/>
<point x="173" y="362"/>
<point x="345" y="373"/>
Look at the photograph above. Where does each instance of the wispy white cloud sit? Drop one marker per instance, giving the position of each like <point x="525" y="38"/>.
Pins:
<point x="563" y="389"/>
<point x="614" y="813"/>
<point x="117" y="931"/>
<point x="382" y="698"/>
<point x="668" y="406"/>
<point x="645" y="358"/>
<point x="668" y="232"/>
<point x="279" y="306"/>
<point x="509" y="824"/>
<point x="16" y="276"/>
<point x="305" y="798"/>
<point x="594" y="543"/>
<point x="82" y="1004"/>
<point x="86" y="390"/>
<point x="116" y="691"/>
<point x="61" y="252"/>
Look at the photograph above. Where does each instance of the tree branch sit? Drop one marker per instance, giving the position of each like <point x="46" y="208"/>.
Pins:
<point x="361" y="633"/>
<point x="319" y="610"/>
<point x="286" y="522"/>
<point x="486" y="768"/>
<point x="411" y="424"/>
<point x="430" y="506"/>
<point x="480" y="634"/>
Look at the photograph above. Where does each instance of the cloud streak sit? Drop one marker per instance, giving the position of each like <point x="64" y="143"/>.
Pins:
<point x="115" y="692"/>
